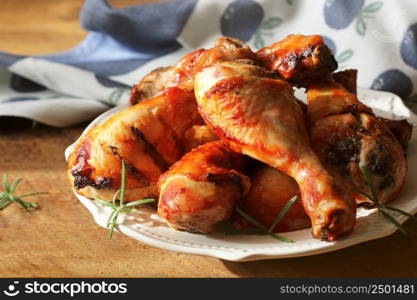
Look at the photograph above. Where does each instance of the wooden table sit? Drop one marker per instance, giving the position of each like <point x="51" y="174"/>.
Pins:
<point x="61" y="238"/>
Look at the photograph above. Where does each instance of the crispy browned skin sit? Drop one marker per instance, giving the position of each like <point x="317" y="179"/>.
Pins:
<point x="270" y="191"/>
<point x="180" y="75"/>
<point x="348" y="79"/>
<point x="299" y="59"/>
<point x="148" y="136"/>
<point x="260" y="117"/>
<point x="346" y="135"/>
<point x="330" y="99"/>
<point x="401" y="129"/>
<point x="225" y="49"/>
<point x="202" y="188"/>
<point x="198" y="135"/>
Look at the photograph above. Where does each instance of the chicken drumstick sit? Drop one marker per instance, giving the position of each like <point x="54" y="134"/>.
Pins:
<point x="259" y="116"/>
<point x="348" y="137"/>
<point x="202" y="188"/>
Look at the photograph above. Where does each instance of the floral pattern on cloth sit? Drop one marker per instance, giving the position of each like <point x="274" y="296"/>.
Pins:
<point x="377" y="37"/>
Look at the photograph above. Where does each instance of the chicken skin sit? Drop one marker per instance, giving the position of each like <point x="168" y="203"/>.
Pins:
<point x="348" y="79"/>
<point x="298" y="59"/>
<point x="270" y="191"/>
<point x="180" y="75"/>
<point x="149" y="137"/>
<point x="259" y="116"/>
<point x="225" y="49"/>
<point x="202" y="188"/>
<point x="401" y="129"/>
<point x="198" y="135"/>
<point x="348" y="137"/>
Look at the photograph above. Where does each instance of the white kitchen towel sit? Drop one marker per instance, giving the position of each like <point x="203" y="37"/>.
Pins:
<point x="379" y="38"/>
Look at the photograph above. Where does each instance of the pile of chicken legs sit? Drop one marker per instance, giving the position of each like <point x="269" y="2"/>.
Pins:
<point x="222" y="128"/>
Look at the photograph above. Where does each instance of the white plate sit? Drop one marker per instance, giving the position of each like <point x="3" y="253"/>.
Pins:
<point x="147" y="227"/>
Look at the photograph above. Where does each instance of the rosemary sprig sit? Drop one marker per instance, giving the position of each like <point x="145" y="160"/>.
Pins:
<point x="261" y="229"/>
<point x="381" y="207"/>
<point x="7" y="197"/>
<point x="283" y="212"/>
<point x="118" y="206"/>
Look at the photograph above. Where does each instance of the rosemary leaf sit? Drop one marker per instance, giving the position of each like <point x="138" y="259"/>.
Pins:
<point x="246" y="231"/>
<point x="6" y="184"/>
<point x="363" y="194"/>
<point x="102" y="202"/>
<point x="283" y="212"/>
<point x="111" y="219"/>
<point x="380" y="206"/>
<point x="259" y="225"/>
<point x="32" y="194"/>
<point x="123" y="184"/>
<point x="5" y="204"/>
<point x="117" y="205"/>
<point x="140" y="202"/>
<point x="250" y="219"/>
<point x="112" y="224"/>
<point x="393" y="221"/>
<point x="371" y="186"/>
<point x="7" y="197"/>
<point x="25" y="205"/>
<point x="3" y="201"/>
<point x="281" y="238"/>
<point x="400" y="211"/>
<point x="115" y="197"/>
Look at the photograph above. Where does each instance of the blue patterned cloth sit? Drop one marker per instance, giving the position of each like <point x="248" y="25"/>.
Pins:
<point x="379" y="38"/>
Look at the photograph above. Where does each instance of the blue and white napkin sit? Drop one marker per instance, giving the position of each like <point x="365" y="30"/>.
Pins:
<point x="379" y="38"/>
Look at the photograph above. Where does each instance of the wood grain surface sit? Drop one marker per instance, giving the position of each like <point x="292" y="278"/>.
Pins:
<point x="61" y="239"/>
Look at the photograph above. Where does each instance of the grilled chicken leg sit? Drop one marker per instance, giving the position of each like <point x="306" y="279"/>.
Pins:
<point x="149" y="137"/>
<point x="202" y="188"/>
<point x="347" y="137"/>
<point x="259" y="116"/>
<point x="298" y="59"/>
